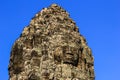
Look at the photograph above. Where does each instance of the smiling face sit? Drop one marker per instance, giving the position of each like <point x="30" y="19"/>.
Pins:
<point x="70" y="55"/>
<point x="66" y="49"/>
<point x="67" y="55"/>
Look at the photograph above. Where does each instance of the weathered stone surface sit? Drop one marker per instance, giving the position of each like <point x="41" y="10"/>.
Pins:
<point x="51" y="48"/>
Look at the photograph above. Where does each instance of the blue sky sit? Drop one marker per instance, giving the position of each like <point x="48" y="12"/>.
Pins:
<point x="98" y="21"/>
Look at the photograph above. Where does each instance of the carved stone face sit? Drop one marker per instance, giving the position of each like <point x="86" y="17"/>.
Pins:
<point x="70" y="55"/>
<point x="67" y="55"/>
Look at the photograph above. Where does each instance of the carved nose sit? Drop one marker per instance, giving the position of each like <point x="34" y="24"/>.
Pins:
<point x="69" y="55"/>
<point x="68" y="52"/>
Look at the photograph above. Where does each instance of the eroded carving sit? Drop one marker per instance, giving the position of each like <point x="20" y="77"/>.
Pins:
<point x="51" y="48"/>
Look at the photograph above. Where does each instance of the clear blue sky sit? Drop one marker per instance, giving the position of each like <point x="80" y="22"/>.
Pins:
<point x="98" y="21"/>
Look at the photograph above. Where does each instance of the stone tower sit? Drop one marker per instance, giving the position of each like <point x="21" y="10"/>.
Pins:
<point x="51" y="48"/>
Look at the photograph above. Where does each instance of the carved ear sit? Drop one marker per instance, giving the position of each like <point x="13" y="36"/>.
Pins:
<point x="76" y="59"/>
<point x="58" y="54"/>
